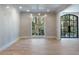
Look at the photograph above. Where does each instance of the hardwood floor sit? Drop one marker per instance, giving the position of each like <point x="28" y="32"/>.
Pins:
<point x="43" y="47"/>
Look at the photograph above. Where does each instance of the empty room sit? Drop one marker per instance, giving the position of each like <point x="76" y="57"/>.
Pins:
<point x="39" y="29"/>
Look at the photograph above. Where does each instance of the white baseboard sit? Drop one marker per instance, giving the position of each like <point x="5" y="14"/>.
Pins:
<point x="22" y="37"/>
<point x="8" y="45"/>
<point x="51" y="37"/>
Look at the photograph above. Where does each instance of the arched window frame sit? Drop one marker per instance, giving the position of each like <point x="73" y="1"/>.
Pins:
<point x="65" y="17"/>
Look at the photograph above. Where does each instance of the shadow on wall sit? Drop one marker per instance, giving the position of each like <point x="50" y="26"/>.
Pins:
<point x="9" y="26"/>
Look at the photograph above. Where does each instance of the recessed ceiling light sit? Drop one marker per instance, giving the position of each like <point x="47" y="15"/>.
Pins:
<point x="28" y="10"/>
<point x="39" y="14"/>
<point x="20" y="7"/>
<point x="48" y="10"/>
<point x="7" y="7"/>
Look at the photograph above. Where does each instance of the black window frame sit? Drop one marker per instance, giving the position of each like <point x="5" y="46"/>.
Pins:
<point x="69" y="24"/>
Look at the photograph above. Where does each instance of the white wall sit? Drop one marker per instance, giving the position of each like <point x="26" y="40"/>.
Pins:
<point x="50" y="21"/>
<point x="25" y="24"/>
<point x="26" y="21"/>
<point x="9" y="26"/>
<point x="72" y="8"/>
<point x="58" y="26"/>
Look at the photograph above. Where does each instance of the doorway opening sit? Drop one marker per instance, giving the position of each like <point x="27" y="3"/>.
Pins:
<point x="69" y="26"/>
<point x="38" y="26"/>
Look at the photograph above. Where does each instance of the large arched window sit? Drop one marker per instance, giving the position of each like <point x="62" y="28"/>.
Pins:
<point x="69" y="26"/>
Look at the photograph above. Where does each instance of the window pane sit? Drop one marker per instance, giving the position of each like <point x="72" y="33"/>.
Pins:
<point x="38" y="25"/>
<point x="69" y="26"/>
<point x="71" y="17"/>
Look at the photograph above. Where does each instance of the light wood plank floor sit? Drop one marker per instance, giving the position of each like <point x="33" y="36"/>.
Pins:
<point x="43" y="47"/>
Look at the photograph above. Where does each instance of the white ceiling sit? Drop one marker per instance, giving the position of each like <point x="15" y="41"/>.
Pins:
<point x="39" y="7"/>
